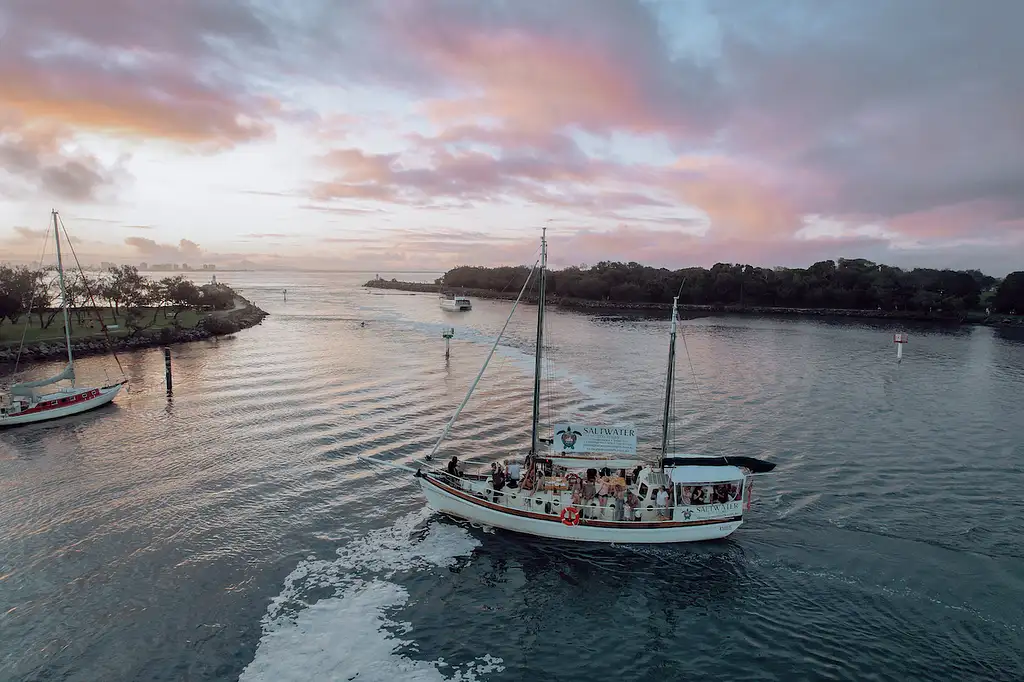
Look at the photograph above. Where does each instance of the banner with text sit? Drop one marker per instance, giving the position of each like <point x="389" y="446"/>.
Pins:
<point x="619" y="439"/>
<point x="703" y="512"/>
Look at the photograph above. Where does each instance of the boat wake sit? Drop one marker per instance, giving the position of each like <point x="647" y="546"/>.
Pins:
<point x="332" y="619"/>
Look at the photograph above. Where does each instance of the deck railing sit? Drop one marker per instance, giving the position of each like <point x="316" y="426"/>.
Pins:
<point x="540" y="505"/>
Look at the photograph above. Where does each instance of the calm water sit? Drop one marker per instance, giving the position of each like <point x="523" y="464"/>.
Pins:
<point x="231" y="533"/>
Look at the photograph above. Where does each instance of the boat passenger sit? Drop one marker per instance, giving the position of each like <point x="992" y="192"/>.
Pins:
<point x="620" y="502"/>
<point x="632" y="502"/>
<point x="453" y="467"/>
<point x="661" y="502"/>
<point x="514" y="473"/>
<point x="497" y="481"/>
<point x="589" y="490"/>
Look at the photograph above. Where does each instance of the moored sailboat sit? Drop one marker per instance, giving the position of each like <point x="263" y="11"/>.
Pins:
<point x="588" y="483"/>
<point x="24" y="403"/>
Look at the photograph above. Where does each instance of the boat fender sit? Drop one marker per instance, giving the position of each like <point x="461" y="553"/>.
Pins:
<point x="418" y="474"/>
<point x="570" y="516"/>
<point x="547" y="507"/>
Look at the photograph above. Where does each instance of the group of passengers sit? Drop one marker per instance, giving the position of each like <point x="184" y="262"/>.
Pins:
<point x="719" y="493"/>
<point x="603" y="488"/>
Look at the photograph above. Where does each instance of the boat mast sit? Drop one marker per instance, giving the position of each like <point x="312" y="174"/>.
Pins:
<point x="63" y="291"/>
<point x="540" y="341"/>
<point x="666" y="416"/>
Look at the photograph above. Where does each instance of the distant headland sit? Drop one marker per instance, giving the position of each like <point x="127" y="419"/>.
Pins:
<point x="122" y="310"/>
<point x="847" y="288"/>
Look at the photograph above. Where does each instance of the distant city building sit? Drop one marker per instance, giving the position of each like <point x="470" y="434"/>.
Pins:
<point x="162" y="267"/>
<point x="184" y="266"/>
<point x="209" y="266"/>
<point x="143" y="266"/>
<point x="106" y="266"/>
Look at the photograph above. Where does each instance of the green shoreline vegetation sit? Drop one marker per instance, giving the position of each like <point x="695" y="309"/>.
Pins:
<point x="123" y="306"/>
<point x="847" y="287"/>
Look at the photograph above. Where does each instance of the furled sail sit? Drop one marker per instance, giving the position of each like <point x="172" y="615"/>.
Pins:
<point x="26" y="387"/>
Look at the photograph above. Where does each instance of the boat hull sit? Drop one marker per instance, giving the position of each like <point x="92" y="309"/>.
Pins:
<point x="69" y="402"/>
<point x="464" y="506"/>
<point x="451" y="306"/>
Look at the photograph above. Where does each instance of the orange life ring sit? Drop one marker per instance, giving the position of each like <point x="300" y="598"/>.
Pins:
<point x="570" y="516"/>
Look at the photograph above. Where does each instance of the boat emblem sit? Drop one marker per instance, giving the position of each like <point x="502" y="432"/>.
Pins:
<point x="687" y="514"/>
<point x="569" y="437"/>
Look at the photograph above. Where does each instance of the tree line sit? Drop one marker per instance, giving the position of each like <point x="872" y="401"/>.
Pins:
<point x="850" y="284"/>
<point x="130" y="298"/>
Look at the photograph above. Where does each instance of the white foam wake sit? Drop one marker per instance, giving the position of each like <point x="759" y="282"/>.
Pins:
<point x="330" y="622"/>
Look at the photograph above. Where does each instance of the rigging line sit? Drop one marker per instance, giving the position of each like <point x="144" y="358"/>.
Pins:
<point x="696" y="387"/>
<point x="92" y="299"/>
<point x="490" y="354"/>
<point x="535" y="251"/>
<point x="31" y="301"/>
<point x="682" y="333"/>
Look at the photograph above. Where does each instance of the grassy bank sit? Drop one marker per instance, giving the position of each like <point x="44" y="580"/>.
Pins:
<point x="90" y="328"/>
<point x="160" y="329"/>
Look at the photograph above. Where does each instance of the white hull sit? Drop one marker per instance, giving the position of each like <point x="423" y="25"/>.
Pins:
<point x="455" y="305"/>
<point x="459" y="504"/>
<point x="68" y="402"/>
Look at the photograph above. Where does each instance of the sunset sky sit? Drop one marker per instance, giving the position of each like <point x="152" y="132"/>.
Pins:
<point x="426" y="134"/>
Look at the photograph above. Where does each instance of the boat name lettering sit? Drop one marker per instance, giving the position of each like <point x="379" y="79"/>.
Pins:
<point x="609" y="431"/>
<point x="710" y="511"/>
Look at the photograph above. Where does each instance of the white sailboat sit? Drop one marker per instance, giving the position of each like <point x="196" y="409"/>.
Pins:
<point x="24" y="403"/>
<point x="589" y="485"/>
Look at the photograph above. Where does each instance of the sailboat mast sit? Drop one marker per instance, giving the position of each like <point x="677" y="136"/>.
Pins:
<point x="540" y="341"/>
<point x="666" y="417"/>
<point x="63" y="290"/>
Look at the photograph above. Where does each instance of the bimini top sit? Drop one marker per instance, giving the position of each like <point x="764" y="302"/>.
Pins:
<point x="756" y="466"/>
<point x="705" y="474"/>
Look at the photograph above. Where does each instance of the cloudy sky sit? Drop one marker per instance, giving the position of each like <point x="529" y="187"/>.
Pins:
<point x="430" y="133"/>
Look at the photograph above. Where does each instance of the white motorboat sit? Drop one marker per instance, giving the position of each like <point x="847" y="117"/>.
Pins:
<point x="455" y="304"/>
<point x="588" y="483"/>
<point x="24" y="403"/>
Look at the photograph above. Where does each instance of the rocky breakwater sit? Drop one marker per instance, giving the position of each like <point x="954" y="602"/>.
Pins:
<point x="217" y="323"/>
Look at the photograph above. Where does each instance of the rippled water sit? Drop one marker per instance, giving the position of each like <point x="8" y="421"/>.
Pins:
<point x="231" y="532"/>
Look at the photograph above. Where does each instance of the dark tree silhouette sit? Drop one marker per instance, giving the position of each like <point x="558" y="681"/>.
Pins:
<point x="850" y="284"/>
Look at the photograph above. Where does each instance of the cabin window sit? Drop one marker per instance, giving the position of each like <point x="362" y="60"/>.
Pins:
<point x="695" y="494"/>
<point x="643" y="491"/>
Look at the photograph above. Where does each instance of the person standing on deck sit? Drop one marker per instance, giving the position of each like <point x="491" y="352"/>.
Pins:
<point x="515" y="471"/>
<point x="661" y="502"/>
<point x="497" y="481"/>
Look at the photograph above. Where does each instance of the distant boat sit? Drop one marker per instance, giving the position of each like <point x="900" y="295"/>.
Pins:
<point x="456" y="304"/>
<point x="453" y="303"/>
<point x="24" y="404"/>
<point x="589" y="485"/>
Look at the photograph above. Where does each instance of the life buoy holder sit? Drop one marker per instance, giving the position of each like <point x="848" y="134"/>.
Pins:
<point x="570" y="516"/>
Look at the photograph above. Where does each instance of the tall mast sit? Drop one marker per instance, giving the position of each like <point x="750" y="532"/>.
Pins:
<point x="666" y="416"/>
<point x="540" y="341"/>
<point x="63" y="290"/>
